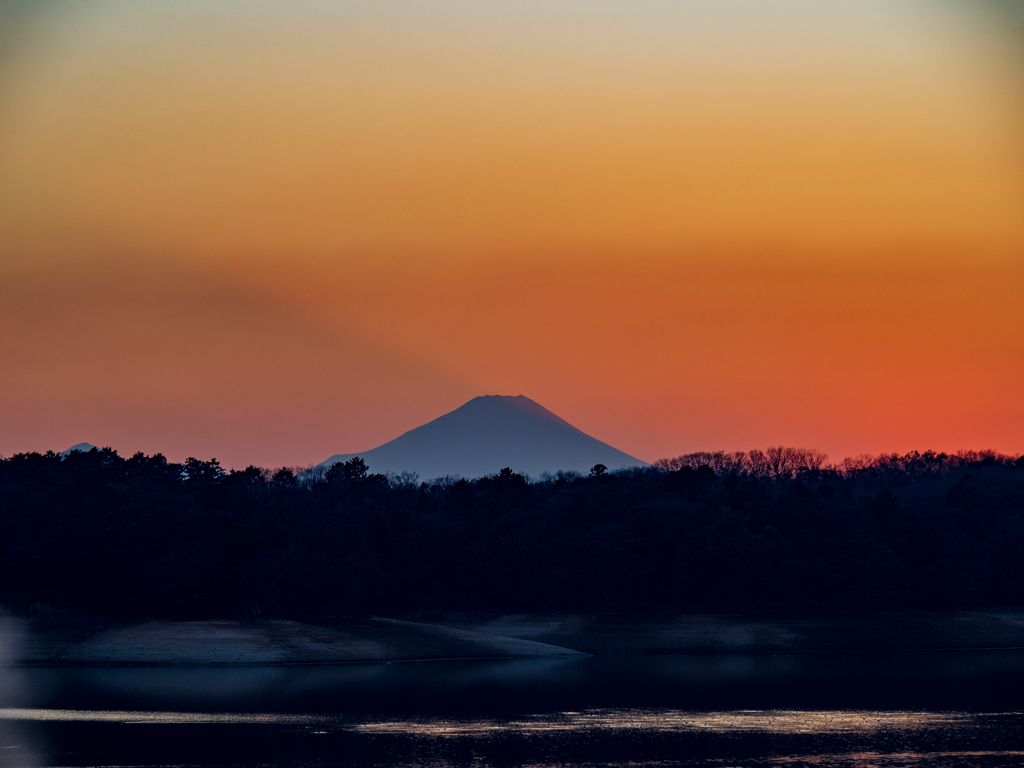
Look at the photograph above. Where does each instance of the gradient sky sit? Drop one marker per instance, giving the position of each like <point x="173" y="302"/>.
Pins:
<point x="272" y="232"/>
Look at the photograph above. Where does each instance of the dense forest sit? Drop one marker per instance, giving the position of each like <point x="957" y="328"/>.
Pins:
<point x="779" y="530"/>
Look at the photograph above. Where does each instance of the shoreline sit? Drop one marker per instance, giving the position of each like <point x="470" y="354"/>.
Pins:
<point x="430" y="660"/>
<point x="279" y="642"/>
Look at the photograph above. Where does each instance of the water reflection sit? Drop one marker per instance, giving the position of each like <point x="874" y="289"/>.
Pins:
<point x="979" y="680"/>
<point x="776" y="721"/>
<point x="595" y="737"/>
<point x="940" y="709"/>
<point x="667" y="721"/>
<point x="134" y="717"/>
<point x="902" y="759"/>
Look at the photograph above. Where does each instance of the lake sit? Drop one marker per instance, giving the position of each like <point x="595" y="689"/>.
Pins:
<point x="943" y="708"/>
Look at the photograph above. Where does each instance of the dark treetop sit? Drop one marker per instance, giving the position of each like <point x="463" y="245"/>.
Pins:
<point x="100" y="534"/>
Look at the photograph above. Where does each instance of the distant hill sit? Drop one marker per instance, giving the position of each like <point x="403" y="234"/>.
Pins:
<point x="83" y="447"/>
<point x="487" y="434"/>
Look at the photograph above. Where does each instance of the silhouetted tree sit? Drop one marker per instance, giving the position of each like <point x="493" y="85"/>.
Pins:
<point x="93" y="532"/>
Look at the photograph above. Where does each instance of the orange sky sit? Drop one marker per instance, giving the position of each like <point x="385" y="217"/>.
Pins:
<point x="272" y="233"/>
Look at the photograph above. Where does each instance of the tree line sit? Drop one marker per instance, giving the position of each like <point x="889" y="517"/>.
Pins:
<point x="775" y="530"/>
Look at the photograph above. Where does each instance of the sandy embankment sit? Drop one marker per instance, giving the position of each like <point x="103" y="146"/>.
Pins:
<point x="911" y="630"/>
<point x="290" y="642"/>
<point x="267" y="642"/>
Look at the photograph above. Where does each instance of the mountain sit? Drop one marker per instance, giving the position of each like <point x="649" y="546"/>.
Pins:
<point x="83" y="447"/>
<point x="487" y="434"/>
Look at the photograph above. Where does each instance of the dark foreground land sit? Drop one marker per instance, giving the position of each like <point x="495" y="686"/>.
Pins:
<point x="221" y="642"/>
<point x="96" y="534"/>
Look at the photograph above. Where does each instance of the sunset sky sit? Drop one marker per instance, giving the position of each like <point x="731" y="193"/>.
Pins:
<point x="272" y="232"/>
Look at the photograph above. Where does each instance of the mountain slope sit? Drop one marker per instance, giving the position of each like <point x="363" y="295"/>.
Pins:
<point x="83" y="447"/>
<point x="487" y="434"/>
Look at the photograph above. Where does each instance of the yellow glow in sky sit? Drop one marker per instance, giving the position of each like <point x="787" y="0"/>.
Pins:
<point x="627" y="195"/>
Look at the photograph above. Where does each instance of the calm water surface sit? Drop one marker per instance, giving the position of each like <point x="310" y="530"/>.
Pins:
<point x="882" y="709"/>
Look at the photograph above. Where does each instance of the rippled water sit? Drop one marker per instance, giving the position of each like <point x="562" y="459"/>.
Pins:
<point x="921" y="709"/>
